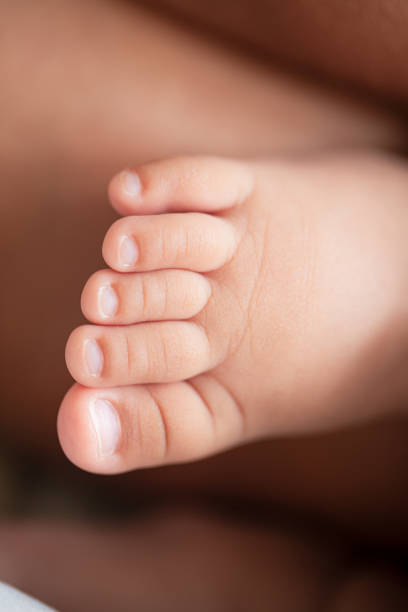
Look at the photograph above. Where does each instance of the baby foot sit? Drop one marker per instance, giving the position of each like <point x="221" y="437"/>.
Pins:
<point x="264" y="299"/>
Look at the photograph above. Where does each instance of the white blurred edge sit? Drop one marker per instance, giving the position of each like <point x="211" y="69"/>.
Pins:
<point x="12" y="600"/>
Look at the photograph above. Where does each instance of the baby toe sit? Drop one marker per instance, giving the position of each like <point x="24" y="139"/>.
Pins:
<point x="192" y="241"/>
<point x="121" y="299"/>
<point x="193" y="183"/>
<point x="146" y="353"/>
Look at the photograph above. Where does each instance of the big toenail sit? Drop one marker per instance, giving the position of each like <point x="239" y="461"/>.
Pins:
<point x="108" y="301"/>
<point x="128" y="251"/>
<point x="107" y="425"/>
<point x="131" y="183"/>
<point x="94" y="357"/>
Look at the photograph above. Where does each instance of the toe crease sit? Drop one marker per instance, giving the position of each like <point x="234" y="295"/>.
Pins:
<point x="204" y="332"/>
<point x="127" y="356"/>
<point x="160" y="411"/>
<point x="144" y="296"/>
<point x="205" y="403"/>
<point x="238" y="406"/>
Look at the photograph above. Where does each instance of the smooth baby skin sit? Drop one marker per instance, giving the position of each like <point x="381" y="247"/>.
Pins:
<point x="62" y="141"/>
<point x="90" y="87"/>
<point x="302" y="331"/>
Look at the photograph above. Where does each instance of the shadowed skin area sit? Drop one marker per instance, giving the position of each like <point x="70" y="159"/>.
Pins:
<point x="147" y="565"/>
<point x="71" y="134"/>
<point x="69" y="151"/>
<point x="362" y="44"/>
<point x="67" y="138"/>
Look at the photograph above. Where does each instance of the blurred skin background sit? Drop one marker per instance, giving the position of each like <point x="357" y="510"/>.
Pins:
<point x="86" y="89"/>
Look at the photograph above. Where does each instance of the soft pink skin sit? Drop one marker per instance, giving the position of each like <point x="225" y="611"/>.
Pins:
<point x="60" y="145"/>
<point x="192" y="241"/>
<point x="164" y="351"/>
<point x="306" y="279"/>
<point x="63" y="140"/>
<point x="149" y="296"/>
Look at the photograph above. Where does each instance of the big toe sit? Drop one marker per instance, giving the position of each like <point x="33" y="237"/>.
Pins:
<point x="114" y="430"/>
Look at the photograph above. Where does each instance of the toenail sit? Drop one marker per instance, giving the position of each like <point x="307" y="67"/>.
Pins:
<point x="106" y="423"/>
<point x="128" y="251"/>
<point x="108" y="301"/>
<point x="131" y="183"/>
<point x="94" y="357"/>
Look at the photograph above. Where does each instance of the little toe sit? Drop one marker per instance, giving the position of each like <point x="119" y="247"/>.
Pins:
<point x="115" y="430"/>
<point x="121" y="299"/>
<point x="145" y="353"/>
<point x="193" y="183"/>
<point x="193" y="241"/>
